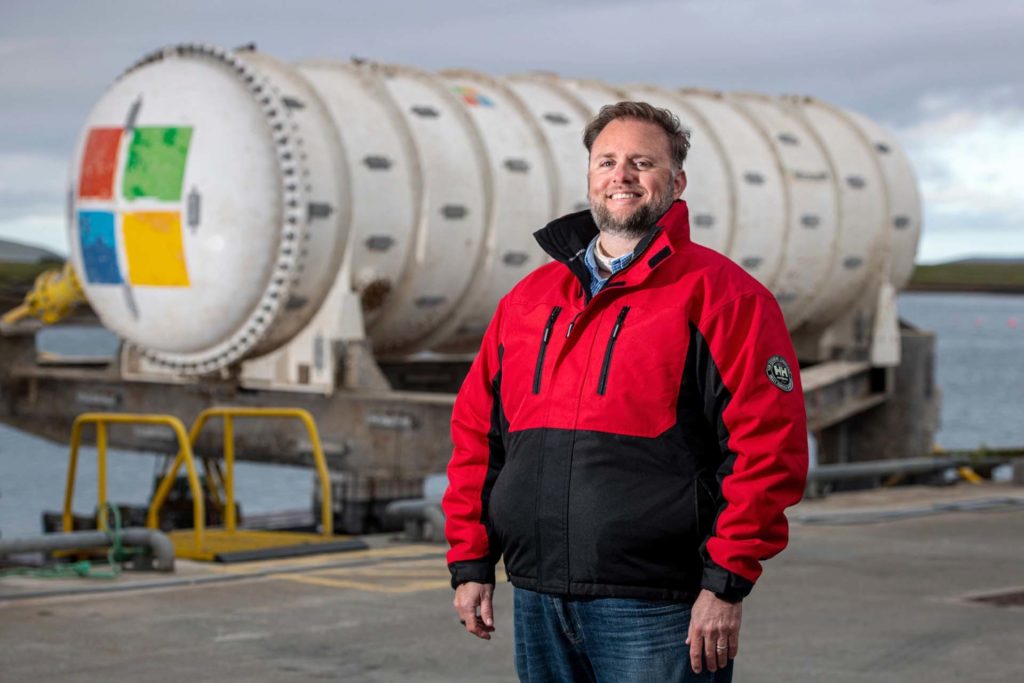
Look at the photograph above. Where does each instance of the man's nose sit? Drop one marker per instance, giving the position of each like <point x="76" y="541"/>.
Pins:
<point x="624" y="173"/>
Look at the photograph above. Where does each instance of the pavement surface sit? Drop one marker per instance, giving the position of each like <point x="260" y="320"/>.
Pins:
<point x="877" y="585"/>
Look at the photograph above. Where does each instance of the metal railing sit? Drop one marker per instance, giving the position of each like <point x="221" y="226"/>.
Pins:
<point x="101" y="420"/>
<point x="227" y="477"/>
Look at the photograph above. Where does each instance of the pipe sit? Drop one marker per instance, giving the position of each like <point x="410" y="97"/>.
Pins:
<point x="159" y="543"/>
<point x="420" y="511"/>
<point x="435" y="517"/>
<point x="878" y="468"/>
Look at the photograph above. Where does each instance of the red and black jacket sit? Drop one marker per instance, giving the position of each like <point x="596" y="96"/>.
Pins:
<point x="642" y="443"/>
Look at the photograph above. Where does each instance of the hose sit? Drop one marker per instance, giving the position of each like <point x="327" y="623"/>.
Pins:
<point x="85" y="569"/>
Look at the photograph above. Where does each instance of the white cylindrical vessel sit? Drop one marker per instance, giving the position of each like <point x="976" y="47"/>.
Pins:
<point x="209" y="206"/>
<point x="216" y="196"/>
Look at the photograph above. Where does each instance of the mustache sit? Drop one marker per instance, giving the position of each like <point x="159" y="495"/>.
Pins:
<point x="636" y="224"/>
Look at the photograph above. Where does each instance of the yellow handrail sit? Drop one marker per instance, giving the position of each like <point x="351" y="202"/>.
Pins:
<point x="101" y="420"/>
<point x="228" y="414"/>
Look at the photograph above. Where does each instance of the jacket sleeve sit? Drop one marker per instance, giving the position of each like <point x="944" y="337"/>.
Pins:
<point x="478" y="423"/>
<point x="753" y="398"/>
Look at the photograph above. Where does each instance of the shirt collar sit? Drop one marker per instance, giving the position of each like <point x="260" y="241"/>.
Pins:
<point x="616" y="264"/>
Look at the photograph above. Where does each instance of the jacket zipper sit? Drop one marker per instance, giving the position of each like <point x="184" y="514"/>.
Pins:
<point x="538" y="371"/>
<point x="572" y="322"/>
<point x="603" y="381"/>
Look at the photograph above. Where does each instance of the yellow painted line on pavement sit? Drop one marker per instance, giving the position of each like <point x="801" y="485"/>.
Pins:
<point x="314" y="561"/>
<point x="413" y="568"/>
<point x="404" y="587"/>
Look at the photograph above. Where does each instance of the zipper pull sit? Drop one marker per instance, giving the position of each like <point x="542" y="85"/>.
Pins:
<point x="551" y="323"/>
<point x="618" y="322"/>
<point x="572" y="323"/>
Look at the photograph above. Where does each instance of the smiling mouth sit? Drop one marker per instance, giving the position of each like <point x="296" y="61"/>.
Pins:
<point x="624" y="195"/>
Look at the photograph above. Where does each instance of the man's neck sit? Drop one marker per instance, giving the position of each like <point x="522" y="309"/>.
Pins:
<point x="615" y="246"/>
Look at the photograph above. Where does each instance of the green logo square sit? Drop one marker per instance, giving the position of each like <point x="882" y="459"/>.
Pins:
<point x="156" y="163"/>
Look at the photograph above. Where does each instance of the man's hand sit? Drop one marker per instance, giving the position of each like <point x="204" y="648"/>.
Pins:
<point x="714" y="631"/>
<point x="471" y="597"/>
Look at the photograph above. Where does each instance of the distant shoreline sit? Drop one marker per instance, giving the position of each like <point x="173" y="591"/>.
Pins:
<point x="995" y="276"/>
<point x="962" y="288"/>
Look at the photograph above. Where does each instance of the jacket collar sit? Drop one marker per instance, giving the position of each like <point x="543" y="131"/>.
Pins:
<point x="565" y="239"/>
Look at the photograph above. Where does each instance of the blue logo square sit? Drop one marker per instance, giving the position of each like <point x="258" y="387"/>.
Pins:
<point x="96" y="235"/>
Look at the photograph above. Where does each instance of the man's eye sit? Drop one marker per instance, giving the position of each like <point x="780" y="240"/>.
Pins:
<point x="606" y="163"/>
<point x="643" y="164"/>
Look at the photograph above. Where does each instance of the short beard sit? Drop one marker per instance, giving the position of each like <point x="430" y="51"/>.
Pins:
<point x="635" y="225"/>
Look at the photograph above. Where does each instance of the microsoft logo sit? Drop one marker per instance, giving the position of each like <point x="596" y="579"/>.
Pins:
<point x="121" y="241"/>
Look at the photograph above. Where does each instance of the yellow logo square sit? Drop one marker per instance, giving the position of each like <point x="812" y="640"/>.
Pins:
<point x="154" y="249"/>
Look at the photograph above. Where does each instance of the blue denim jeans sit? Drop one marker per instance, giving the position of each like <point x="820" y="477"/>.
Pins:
<point x="604" y="640"/>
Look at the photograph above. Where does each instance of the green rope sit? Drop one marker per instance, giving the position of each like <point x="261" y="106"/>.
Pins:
<point x="113" y="554"/>
<point x="66" y="570"/>
<point x="84" y="568"/>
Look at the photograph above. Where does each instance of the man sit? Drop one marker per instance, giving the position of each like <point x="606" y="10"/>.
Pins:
<point x="629" y="435"/>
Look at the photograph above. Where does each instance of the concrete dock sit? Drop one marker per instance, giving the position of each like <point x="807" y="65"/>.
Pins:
<point x="878" y="585"/>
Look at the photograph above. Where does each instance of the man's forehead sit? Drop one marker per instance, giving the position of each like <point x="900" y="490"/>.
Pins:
<point x="616" y="151"/>
<point x="630" y="136"/>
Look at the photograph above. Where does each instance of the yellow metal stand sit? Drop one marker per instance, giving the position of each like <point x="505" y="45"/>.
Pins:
<point x="101" y="420"/>
<point x="230" y="539"/>
<point x="200" y="543"/>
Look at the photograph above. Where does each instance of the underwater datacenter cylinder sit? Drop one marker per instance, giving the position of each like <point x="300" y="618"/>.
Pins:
<point x="214" y="195"/>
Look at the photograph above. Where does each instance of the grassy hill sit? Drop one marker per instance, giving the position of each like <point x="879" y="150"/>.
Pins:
<point x="970" y="275"/>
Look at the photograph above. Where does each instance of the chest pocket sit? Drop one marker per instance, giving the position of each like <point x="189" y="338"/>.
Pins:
<point x="636" y="370"/>
<point x="532" y="340"/>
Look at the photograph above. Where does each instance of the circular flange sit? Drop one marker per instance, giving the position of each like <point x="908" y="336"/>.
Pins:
<point x="200" y="291"/>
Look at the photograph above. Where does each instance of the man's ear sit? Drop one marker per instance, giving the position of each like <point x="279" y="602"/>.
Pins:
<point x="679" y="183"/>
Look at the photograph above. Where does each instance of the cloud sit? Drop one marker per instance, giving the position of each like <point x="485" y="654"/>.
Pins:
<point x="944" y="75"/>
<point x="32" y="200"/>
<point x="47" y="230"/>
<point x="28" y="176"/>
<point x="31" y="184"/>
<point x="971" y="161"/>
<point x="970" y="164"/>
<point x="940" y="247"/>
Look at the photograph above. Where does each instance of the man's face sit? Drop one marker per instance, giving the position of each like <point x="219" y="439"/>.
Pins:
<point x="632" y="181"/>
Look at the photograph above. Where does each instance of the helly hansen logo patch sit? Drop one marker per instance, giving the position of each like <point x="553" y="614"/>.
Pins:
<point x="779" y="373"/>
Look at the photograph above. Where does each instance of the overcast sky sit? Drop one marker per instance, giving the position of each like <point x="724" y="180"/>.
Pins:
<point x="944" y="75"/>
